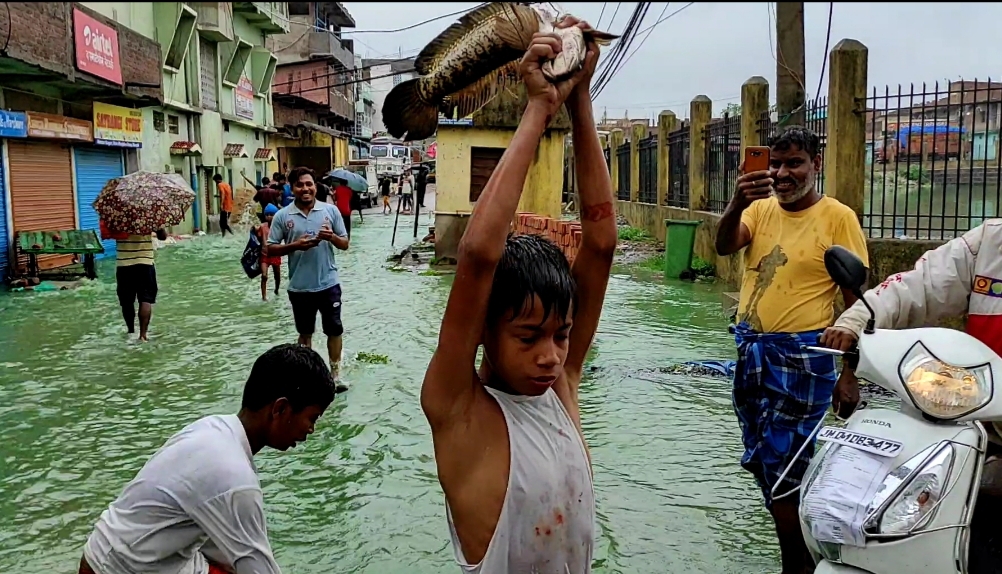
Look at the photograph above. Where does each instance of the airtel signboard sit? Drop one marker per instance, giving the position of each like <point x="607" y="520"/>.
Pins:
<point x="96" y="46"/>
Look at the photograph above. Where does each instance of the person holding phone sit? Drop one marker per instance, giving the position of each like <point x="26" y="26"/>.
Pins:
<point x="781" y="391"/>
<point x="307" y="231"/>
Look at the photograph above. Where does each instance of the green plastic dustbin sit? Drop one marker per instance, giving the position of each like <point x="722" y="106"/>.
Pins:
<point x="680" y="237"/>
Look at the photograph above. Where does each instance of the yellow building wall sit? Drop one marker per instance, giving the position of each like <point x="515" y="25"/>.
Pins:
<point x="341" y="156"/>
<point x="543" y="185"/>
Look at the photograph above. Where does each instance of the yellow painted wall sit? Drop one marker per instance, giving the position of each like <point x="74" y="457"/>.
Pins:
<point x="340" y="152"/>
<point x="543" y="185"/>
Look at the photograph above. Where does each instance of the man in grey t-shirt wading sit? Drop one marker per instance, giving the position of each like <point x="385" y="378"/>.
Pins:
<point x="305" y="230"/>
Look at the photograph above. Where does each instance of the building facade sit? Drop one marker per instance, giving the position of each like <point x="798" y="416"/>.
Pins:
<point x="384" y="74"/>
<point x="71" y="82"/>
<point x="92" y="90"/>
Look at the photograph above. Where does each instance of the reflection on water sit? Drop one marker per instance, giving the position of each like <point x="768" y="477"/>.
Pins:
<point x="85" y="407"/>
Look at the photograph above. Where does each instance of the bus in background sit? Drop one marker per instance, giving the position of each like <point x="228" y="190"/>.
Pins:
<point x="390" y="157"/>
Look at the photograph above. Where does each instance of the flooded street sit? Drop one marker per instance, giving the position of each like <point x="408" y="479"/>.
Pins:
<point x="84" y="407"/>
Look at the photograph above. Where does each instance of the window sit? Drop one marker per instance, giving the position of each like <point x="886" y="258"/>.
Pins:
<point x="172" y="124"/>
<point x="158" y="121"/>
<point x="483" y="160"/>
<point x="299" y="8"/>
<point x="179" y="42"/>
<point x="226" y="126"/>
<point x="380" y="151"/>
<point x="397" y="78"/>
<point x="263" y="65"/>
<point x="208" y="64"/>
<point x="237" y="62"/>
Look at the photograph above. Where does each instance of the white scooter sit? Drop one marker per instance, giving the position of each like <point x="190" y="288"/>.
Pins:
<point x="894" y="492"/>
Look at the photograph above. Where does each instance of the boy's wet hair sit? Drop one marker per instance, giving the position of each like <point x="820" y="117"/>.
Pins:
<point x="530" y="265"/>
<point x="299" y="172"/>
<point x="292" y="371"/>
<point x="803" y="138"/>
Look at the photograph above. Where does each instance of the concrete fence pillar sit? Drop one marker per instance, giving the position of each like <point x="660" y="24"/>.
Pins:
<point x="700" y="112"/>
<point x="666" y="125"/>
<point x="845" y="153"/>
<point x="615" y="140"/>
<point x="754" y="103"/>
<point x="638" y="131"/>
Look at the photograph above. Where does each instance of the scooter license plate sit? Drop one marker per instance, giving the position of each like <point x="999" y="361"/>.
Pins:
<point x="860" y="441"/>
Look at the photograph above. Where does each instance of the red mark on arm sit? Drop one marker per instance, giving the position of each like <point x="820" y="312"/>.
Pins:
<point x="597" y="212"/>
<point x="560" y="518"/>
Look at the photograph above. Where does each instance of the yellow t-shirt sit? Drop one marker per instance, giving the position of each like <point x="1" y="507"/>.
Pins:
<point x="785" y="288"/>
<point x="135" y="250"/>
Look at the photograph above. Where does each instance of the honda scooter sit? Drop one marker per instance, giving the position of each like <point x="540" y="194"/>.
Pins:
<point x="895" y="491"/>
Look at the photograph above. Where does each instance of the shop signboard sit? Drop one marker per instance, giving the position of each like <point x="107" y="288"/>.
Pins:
<point x="96" y="47"/>
<point x="13" y="124"/>
<point x="244" y="95"/>
<point x="118" y="126"/>
<point x="50" y="126"/>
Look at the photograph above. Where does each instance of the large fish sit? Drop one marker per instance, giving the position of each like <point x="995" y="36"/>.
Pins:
<point x="475" y="59"/>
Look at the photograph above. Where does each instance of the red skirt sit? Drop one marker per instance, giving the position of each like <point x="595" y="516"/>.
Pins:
<point x="266" y="261"/>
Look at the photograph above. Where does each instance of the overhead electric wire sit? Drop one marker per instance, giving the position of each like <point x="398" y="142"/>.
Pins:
<point x="666" y="17"/>
<point x="824" y="62"/>
<point x="598" y="24"/>
<point x="352" y="71"/>
<point x="649" y="30"/>
<point x="613" y="21"/>
<point x="339" y="84"/>
<point x="619" y="51"/>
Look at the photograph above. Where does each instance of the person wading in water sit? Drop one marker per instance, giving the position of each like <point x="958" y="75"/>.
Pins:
<point x="196" y="506"/>
<point x="787" y="298"/>
<point x="508" y="445"/>
<point x="306" y="230"/>
<point x="136" y="279"/>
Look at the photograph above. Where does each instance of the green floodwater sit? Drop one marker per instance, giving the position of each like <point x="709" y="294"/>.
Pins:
<point x="83" y="407"/>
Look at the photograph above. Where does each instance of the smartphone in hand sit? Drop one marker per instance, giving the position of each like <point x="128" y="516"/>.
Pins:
<point x="757" y="158"/>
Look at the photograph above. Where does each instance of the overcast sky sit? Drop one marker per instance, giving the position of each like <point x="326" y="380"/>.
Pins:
<point x="712" y="48"/>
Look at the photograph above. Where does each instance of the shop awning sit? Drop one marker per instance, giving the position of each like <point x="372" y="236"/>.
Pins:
<point x="264" y="154"/>
<point x="235" y="150"/>
<point x="185" y="148"/>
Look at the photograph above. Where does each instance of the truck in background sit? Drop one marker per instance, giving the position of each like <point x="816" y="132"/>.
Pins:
<point x="390" y="157"/>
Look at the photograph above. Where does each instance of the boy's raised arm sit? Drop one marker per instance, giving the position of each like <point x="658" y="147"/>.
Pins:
<point x="450" y="382"/>
<point x="598" y="223"/>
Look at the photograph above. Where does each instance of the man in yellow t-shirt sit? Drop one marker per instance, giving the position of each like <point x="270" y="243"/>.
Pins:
<point x="136" y="279"/>
<point x="781" y="391"/>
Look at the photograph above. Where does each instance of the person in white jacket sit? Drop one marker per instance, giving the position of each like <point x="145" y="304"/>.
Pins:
<point x="961" y="276"/>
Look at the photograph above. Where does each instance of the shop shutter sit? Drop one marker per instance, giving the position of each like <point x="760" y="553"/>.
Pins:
<point x="4" y="231"/>
<point x="41" y="192"/>
<point x="95" y="166"/>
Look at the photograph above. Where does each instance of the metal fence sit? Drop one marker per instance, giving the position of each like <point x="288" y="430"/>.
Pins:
<point x="648" y="158"/>
<point x="932" y="159"/>
<point x="723" y="155"/>
<point x="678" y="167"/>
<point x="623" y="157"/>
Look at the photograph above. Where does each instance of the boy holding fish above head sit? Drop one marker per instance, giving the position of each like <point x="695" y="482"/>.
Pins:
<point x="511" y="456"/>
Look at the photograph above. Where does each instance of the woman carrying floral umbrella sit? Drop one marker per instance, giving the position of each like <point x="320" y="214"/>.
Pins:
<point x="131" y="208"/>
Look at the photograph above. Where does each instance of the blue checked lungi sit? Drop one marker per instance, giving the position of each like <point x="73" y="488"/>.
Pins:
<point x="781" y="392"/>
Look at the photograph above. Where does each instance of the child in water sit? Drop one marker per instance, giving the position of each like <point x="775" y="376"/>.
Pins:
<point x="275" y="262"/>
<point x="511" y="457"/>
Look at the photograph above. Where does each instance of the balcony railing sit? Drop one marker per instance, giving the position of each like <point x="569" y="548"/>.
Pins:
<point x="269" y="17"/>
<point x="323" y="43"/>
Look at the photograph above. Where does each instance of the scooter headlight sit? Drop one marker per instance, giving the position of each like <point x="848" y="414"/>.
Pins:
<point x="942" y="390"/>
<point x="915" y="503"/>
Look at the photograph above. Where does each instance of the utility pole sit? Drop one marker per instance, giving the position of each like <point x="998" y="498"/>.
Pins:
<point x="790" y="64"/>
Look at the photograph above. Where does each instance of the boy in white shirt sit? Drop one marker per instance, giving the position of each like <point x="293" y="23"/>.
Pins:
<point x="196" y="506"/>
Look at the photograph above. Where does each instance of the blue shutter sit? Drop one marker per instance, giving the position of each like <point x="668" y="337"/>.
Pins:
<point x="94" y="167"/>
<point x="4" y="239"/>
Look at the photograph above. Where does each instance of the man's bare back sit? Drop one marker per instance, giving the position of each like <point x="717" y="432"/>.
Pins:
<point x="511" y="434"/>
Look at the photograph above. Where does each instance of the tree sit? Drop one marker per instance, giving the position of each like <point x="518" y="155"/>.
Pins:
<point x="733" y="109"/>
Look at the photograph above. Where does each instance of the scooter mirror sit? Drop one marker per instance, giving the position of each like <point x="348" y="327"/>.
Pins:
<point x="846" y="269"/>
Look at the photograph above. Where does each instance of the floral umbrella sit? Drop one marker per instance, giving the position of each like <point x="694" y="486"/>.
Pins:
<point x="144" y="202"/>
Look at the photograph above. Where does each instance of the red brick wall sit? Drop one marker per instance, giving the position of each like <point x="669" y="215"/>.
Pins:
<point x="566" y="234"/>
